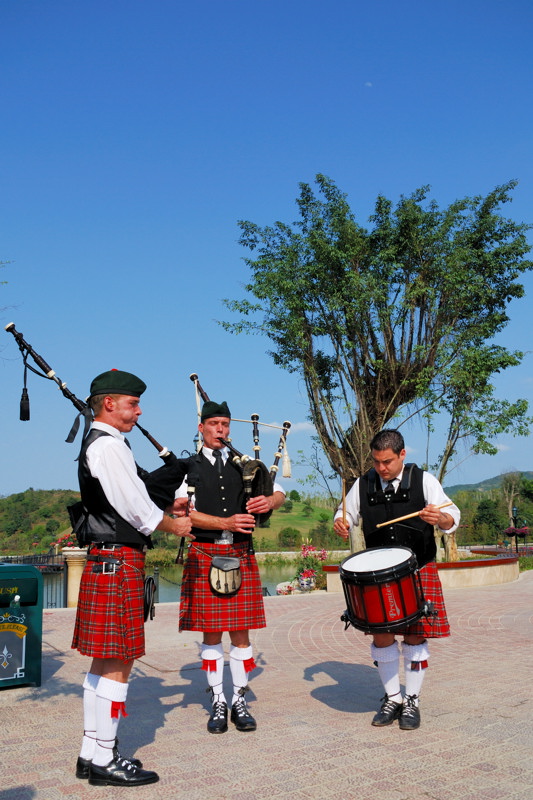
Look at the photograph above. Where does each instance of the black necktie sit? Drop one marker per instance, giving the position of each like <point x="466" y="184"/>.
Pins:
<point x="390" y="487"/>
<point x="217" y="455"/>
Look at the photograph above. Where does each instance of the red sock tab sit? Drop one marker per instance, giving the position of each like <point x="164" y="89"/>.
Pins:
<point x="417" y="665"/>
<point x="249" y="664"/>
<point x="209" y="664"/>
<point x="118" y="710"/>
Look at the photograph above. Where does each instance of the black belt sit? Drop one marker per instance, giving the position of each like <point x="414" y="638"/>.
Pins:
<point x="117" y="545"/>
<point x="105" y="564"/>
<point x="105" y="559"/>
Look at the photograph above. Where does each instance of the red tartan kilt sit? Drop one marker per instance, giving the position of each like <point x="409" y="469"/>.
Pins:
<point x="203" y="610"/>
<point x="431" y="627"/>
<point x="110" y="615"/>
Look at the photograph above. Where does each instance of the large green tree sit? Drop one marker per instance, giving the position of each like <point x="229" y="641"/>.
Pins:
<point x="391" y="320"/>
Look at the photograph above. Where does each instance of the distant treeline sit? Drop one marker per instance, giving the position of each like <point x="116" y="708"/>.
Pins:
<point x="32" y="521"/>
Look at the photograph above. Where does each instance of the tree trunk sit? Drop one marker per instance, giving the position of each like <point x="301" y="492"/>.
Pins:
<point x="450" y="547"/>
<point x="357" y="540"/>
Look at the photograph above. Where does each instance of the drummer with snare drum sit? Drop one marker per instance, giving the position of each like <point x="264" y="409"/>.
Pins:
<point x="393" y="489"/>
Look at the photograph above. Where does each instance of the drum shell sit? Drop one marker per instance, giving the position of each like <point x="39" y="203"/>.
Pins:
<point x="386" y="599"/>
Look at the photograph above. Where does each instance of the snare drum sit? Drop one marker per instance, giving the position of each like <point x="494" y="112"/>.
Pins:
<point x="382" y="589"/>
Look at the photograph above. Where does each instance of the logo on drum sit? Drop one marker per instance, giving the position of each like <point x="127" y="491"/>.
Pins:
<point x="393" y="610"/>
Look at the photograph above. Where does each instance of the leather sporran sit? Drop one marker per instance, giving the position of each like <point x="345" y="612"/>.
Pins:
<point x="225" y="575"/>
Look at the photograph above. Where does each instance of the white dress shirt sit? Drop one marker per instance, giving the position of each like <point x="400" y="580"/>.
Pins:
<point x="111" y="461"/>
<point x="433" y="495"/>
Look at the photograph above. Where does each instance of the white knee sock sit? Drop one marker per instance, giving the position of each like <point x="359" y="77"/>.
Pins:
<point x="110" y="706"/>
<point x="213" y="664"/>
<point x="388" y="662"/>
<point x="89" y="716"/>
<point x="415" y="658"/>
<point x="241" y="662"/>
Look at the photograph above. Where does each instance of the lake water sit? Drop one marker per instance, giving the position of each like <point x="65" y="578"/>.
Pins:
<point x="170" y="580"/>
<point x="170" y="583"/>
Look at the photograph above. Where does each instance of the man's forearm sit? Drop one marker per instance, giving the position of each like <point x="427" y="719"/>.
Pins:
<point x="208" y="522"/>
<point x="278" y="498"/>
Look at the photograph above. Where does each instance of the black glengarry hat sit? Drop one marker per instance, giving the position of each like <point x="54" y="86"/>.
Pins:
<point x="115" y="381"/>
<point x="212" y="409"/>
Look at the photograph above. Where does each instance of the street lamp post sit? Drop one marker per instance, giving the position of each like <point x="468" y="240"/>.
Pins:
<point x="514" y="520"/>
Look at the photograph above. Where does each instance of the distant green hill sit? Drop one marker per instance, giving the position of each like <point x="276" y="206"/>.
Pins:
<point x="490" y="483"/>
<point x="30" y="521"/>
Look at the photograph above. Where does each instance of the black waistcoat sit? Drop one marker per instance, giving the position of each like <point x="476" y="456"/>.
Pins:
<point x="377" y="506"/>
<point x="102" y="523"/>
<point x="219" y="497"/>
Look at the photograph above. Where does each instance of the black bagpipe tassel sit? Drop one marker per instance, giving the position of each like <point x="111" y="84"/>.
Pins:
<point x="24" y="406"/>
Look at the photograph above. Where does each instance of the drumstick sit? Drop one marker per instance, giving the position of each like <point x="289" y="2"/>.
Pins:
<point x="409" y="516"/>
<point x="344" y="501"/>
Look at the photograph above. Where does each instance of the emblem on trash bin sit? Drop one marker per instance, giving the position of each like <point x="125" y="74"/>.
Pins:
<point x="13" y="639"/>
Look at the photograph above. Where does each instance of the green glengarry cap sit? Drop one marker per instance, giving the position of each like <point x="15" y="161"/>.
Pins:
<point x="212" y="409"/>
<point x="115" y="381"/>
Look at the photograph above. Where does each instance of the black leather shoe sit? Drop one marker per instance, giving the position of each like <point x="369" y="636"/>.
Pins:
<point x="83" y="764"/>
<point x="82" y="767"/>
<point x="389" y="711"/>
<point x="410" y="716"/>
<point x="118" y="757"/>
<point x="241" y="716"/>
<point x="218" y="721"/>
<point x="120" y="773"/>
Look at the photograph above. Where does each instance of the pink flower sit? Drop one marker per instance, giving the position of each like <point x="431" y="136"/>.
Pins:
<point x="308" y="573"/>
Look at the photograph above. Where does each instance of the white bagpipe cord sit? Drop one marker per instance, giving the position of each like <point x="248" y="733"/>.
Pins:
<point x="286" y="463"/>
<point x="199" y="412"/>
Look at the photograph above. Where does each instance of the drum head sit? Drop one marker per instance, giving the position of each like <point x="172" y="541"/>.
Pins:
<point x="376" y="558"/>
<point x="403" y="535"/>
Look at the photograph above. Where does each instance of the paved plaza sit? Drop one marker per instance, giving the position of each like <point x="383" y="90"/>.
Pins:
<point x="314" y="694"/>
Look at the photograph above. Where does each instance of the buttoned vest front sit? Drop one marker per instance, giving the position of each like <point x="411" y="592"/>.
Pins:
<point x="218" y="496"/>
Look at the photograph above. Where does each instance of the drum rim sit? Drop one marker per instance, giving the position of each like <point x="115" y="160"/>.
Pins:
<point x="382" y="627"/>
<point x="383" y="570"/>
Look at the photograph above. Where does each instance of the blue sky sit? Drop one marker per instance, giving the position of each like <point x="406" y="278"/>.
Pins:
<point x="136" y="134"/>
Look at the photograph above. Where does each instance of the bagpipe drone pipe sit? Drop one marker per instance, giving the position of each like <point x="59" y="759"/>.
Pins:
<point x="160" y="483"/>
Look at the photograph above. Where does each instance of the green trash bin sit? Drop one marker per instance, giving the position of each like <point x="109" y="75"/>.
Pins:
<point x="21" y="625"/>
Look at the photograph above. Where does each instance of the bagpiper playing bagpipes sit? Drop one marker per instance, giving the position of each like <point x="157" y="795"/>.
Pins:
<point x="116" y="521"/>
<point x="221" y="588"/>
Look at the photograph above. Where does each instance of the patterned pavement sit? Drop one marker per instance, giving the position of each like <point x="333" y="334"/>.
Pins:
<point x="314" y="694"/>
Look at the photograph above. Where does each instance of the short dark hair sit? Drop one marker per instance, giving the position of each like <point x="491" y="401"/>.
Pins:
<point x="388" y="438"/>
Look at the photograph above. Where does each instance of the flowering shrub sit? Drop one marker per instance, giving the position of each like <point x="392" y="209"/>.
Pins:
<point x="309" y="560"/>
<point x="517" y="531"/>
<point x="307" y="567"/>
<point x="67" y="540"/>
